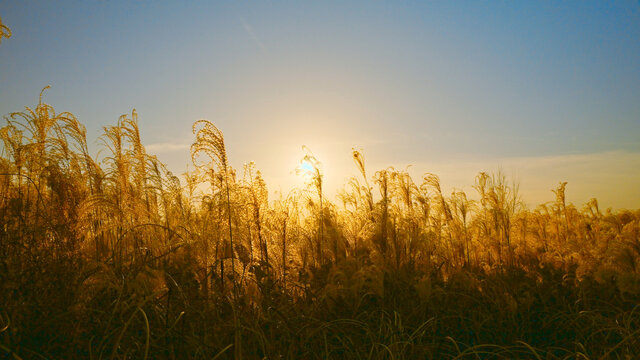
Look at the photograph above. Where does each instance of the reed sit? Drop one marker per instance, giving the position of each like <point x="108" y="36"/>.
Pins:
<point x="115" y="257"/>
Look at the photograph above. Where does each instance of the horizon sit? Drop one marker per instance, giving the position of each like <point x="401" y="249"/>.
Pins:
<point x="544" y="92"/>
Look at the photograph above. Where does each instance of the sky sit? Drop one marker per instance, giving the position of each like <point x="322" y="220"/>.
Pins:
<point x="544" y="91"/>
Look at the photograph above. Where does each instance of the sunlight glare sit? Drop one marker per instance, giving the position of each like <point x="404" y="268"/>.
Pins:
<point x="307" y="167"/>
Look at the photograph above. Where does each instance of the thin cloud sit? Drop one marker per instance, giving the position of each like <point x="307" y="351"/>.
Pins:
<point x="252" y="34"/>
<point x="611" y="176"/>
<point x="166" y="147"/>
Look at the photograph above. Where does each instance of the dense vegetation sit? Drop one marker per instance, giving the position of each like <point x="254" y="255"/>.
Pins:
<point x="113" y="257"/>
<point x="116" y="259"/>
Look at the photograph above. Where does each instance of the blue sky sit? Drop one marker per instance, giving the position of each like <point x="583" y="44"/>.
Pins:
<point x="547" y="91"/>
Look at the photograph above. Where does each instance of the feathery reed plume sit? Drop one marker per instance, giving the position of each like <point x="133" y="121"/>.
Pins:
<point x="311" y="168"/>
<point x="210" y="141"/>
<point x="4" y="31"/>
<point x="358" y="158"/>
<point x="257" y="199"/>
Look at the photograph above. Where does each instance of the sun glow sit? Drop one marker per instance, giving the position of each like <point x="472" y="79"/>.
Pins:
<point x="307" y="167"/>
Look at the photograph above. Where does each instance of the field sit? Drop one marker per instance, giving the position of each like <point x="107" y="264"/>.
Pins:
<point x="116" y="259"/>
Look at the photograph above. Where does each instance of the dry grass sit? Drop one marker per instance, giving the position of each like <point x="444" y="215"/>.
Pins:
<point x="114" y="258"/>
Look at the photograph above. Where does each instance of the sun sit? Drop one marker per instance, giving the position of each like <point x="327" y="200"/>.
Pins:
<point x="306" y="167"/>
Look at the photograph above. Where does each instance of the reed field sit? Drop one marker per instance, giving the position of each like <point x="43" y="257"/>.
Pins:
<point x="115" y="257"/>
